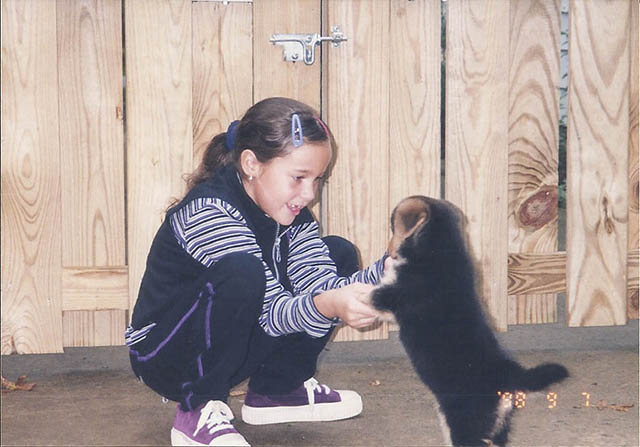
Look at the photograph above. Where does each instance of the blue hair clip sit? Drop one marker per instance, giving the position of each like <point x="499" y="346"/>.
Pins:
<point x="230" y="137"/>
<point x="296" y="131"/>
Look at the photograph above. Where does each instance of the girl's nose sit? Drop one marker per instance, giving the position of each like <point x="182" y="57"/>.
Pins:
<point x="308" y="191"/>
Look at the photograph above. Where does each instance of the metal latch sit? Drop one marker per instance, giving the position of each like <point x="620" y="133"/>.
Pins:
<point x="302" y="46"/>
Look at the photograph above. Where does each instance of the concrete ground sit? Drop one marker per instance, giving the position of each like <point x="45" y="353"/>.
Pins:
<point x="88" y="396"/>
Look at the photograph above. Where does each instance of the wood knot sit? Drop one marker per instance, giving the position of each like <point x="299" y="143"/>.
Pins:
<point x="539" y="209"/>
<point x="609" y="227"/>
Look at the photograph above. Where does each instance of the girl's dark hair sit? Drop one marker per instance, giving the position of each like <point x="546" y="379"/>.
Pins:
<point x="265" y="129"/>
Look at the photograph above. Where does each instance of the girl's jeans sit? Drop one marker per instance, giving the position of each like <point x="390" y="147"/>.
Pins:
<point x="211" y="341"/>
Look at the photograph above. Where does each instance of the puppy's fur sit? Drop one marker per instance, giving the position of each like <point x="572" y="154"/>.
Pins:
<point x="432" y="295"/>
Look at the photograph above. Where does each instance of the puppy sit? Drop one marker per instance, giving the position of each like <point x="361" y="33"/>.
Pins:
<point x="431" y="292"/>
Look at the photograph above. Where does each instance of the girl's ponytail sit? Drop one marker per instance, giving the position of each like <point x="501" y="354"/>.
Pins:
<point x="215" y="156"/>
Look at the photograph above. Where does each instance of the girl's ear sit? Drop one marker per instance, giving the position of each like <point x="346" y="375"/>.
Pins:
<point x="250" y="163"/>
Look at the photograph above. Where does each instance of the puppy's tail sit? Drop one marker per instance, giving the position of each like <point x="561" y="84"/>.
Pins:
<point x="541" y="376"/>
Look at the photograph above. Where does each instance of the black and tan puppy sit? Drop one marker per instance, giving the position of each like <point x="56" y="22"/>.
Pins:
<point x="431" y="293"/>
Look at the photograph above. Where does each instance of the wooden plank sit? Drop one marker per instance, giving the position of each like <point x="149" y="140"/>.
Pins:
<point x="597" y="157"/>
<point x="414" y="101"/>
<point x="358" y="114"/>
<point x="91" y="132"/>
<point x="533" y="143"/>
<point x="634" y="137"/>
<point x="414" y="160"/>
<point x="537" y="273"/>
<point x="531" y="273"/>
<point x="477" y="104"/>
<point x="222" y="69"/>
<point x="91" y="140"/>
<point x="97" y="288"/>
<point x="272" y="75"/>
<point x="159" y="125"/>
<point x="30" y="159"/>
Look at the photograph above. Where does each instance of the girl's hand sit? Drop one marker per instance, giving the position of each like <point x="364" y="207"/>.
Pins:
<point x="349" y="303"/>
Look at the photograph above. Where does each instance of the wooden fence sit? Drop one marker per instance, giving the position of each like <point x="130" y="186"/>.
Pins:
<point x="89" y="163"/>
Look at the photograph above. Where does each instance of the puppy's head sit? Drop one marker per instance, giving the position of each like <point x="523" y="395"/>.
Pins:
<point x="423" y="225"/>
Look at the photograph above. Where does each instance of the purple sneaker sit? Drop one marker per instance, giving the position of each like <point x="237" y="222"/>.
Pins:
<point x="210" y="424"/>
<point x="310" y="402"/>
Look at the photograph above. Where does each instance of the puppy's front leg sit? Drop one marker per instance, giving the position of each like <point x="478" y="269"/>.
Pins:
<point x="382" y="299"/>
<point x="384" y="296"/>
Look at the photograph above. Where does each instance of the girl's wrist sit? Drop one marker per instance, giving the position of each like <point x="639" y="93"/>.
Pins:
<point x="324" y="304"/>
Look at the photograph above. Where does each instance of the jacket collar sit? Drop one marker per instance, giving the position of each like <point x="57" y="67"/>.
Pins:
<point x="258" y="220"/>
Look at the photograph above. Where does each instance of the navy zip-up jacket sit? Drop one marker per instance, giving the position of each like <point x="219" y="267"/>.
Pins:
<point x="217" y="218"/>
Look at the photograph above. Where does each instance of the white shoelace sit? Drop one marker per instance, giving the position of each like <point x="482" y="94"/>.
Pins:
<point x="216" y="415"/>
<point x="311" y="386"/>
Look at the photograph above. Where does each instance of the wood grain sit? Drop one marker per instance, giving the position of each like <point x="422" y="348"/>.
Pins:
<point x="91" y="132"/>
<point x="358" y="114"/>
<point x="222" y="69"/>
<point x="91" y="141"/>
<point x="634" y="137"/>
<point x="414" y="100"/>
<point x="159" y="125"/>
<point x="272" y="75"/>
<point x="96" y="328"/>
<point x="533" y="143"/>
<point x="477" y="104"/>
<point x="30" y="159"/>
<point x="531" y="273"/>
<point x="97" y="288"/>
<point x="597" y="156"/>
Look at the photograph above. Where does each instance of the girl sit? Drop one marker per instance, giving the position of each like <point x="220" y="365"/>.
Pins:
<point x="240" y="285"/>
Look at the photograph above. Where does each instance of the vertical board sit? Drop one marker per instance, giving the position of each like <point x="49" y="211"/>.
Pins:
<point x="159" y="125"/>
<point x="477" y="104"/>
<point x="222" y="68"/>
<point x="597" y="156"/>
<point x="414" y="100"/>
<point x="272" y="75"/>
<point x="92" y="149"/>
<point x="533" y="143"/>
<point x="634" y="91"/>
<point x="31" y="230"/>
<point x="358" y="115"/>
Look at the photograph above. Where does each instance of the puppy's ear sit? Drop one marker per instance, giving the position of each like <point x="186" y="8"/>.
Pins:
<point x="421" y="220"/>
<point x="413" y="213"/>
<point x="408" y="217"/>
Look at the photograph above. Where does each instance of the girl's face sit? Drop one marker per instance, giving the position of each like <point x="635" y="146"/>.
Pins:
<point x="283" y="186"/>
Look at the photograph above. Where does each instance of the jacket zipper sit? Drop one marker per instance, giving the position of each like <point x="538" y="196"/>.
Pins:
<point x="275" y="253"/>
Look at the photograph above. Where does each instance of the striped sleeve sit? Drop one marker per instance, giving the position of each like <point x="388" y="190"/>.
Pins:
<point x="209" y="228"/>
<point x="310" y="268"/>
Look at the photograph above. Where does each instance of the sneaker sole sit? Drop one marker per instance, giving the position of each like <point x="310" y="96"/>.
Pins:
<point x="179" y="438"/>
<point x="350" y="406"/>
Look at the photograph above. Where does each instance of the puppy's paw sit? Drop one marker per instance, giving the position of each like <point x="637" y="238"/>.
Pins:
<point x="376" y="300"/>
<point x="386" y="317"/>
